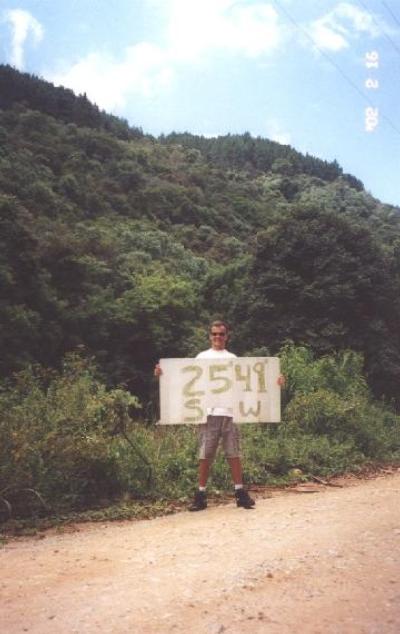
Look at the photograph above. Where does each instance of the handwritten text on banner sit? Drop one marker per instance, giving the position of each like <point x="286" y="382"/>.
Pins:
<point x="246" y="385"/>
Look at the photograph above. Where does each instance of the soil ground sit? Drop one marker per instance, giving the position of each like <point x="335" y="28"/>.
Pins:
<point x="319" y="560"/>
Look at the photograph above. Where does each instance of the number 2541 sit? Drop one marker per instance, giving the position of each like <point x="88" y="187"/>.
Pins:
<point x="222" y="382"/>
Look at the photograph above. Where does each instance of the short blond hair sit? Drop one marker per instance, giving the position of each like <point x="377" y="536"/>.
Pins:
<point x="219" y="323"/>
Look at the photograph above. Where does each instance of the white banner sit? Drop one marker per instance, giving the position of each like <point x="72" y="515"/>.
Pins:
<point x="246" y="385"/>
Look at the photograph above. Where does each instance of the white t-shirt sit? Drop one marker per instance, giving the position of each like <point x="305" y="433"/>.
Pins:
<point x="217" y="354"/>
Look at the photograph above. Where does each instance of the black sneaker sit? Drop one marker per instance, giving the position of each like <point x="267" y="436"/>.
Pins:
<point x="199" y="502"/>
<point x="243" y="499"/>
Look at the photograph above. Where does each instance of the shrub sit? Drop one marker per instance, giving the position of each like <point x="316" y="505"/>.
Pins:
<point x="329" y="397"/>
<point x="67" y="442"/>
<point x="56" y="437"/>
<point x="342" y="373"/>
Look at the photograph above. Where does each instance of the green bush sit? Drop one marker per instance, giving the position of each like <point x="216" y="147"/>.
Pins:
<point x="69" y="443"/>
<point x="168" y="467"/>
<point x="56" y="437"/>
<point x="329" y="397"/>
<point x="270" y="455"/>
<point x="341" y="373"/>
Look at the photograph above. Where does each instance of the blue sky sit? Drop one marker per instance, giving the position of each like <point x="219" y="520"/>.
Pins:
<point x="301" y="72"/>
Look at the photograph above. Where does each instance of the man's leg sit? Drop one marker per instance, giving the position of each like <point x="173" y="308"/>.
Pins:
<point x="231" y="443"/>
<point x="243" y="499"/>
<point x="204" y="467"/>
<point x="200" y="497"/>
<point x="236" y="470"/>
<point x="208" y="441"/>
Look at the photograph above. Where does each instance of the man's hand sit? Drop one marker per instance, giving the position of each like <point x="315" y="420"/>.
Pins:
<point x="281" y="381"/>
<point x="157" y="370"/>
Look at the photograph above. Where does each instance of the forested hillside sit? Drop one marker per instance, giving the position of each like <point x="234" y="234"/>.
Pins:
<point x="116" y="249"/>
<point x="127" y="245"/>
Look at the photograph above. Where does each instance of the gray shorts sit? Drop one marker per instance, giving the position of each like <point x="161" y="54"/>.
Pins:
<point x="210" y="433"/>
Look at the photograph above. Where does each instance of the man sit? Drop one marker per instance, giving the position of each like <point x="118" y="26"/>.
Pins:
<point x="219" y="426"/>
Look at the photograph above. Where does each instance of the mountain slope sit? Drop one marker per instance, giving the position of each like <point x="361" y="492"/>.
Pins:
<point x="127" y="245"/>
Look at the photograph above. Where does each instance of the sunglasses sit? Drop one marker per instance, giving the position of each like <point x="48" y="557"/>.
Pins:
<point x="218" y="334"/>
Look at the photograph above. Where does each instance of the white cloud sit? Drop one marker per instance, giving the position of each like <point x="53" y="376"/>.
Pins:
<point x="196" y="28"/>
<point x="192" y="30"/>
<point x="335" y="30"/>
<point x="23" y="25"/>
<point x="326" y="37"/>
<point x="142" y="70"/>
<point x="361" y="21"/>
<point x="275" y="132"/>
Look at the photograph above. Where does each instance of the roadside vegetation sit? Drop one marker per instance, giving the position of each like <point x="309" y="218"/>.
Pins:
<point x="71" y="448"/>
<point x="117" y="249"/>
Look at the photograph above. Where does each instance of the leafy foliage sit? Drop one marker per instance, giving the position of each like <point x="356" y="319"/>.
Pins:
<point x="67" y="442"/>
<point x="37" y="94"/>
<point x="258" y="155"/>
<point x="126" y="246"/>
<point x="322" y="279"/>
<point x="55" y="436"/>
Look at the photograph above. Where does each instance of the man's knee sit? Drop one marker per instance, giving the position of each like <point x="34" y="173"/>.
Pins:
<point x="207" y="453"/>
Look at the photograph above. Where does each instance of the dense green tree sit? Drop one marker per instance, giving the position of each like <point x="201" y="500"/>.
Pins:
<point x="322" y="279"/>
<point x="256" y="154"/>
<point x="28" y="308"/>
<point x="126" y="245"/>
<point x="61" y="103"/>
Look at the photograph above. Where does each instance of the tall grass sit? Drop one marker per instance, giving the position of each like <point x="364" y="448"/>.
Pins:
<point x="69" y="443"/>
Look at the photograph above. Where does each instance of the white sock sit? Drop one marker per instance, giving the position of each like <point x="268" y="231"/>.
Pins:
<point x="238" y="486"/>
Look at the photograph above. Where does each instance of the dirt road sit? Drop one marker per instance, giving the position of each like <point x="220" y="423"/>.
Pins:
<point x="325" y="562"/>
